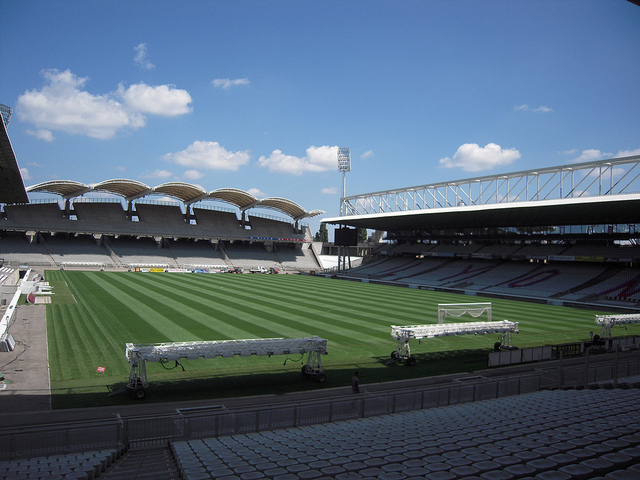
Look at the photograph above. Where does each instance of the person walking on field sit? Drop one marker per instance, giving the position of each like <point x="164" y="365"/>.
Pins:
<point x="355" y="383"/>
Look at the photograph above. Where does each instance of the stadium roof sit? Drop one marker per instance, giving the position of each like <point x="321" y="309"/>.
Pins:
<point x="11" y="185"/>
<point x="187" y="193"/>
<point x="610" y="209"/>
<point x="129" y="189"/>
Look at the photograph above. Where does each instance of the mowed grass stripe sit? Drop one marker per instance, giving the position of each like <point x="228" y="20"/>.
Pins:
<point x="171" y="318"/>
<point x="373" y="302"/>
<point x="320" y="292"/>
<point x="533" y="319"/>
<point x="161" y="305"/>
<point x="214" y="309"/>
<point x="275" y="318"/>
<point x="111" y="307"/>
<point x="375" y="312"/>
<point x="331" y="316"/>
<point x="226" y="312"/>
<point x="368" y="315"/>
<point x="293" y="309"/>
<point x="88" y="329"/>
<point x="74" y="335"/>
<point x="58" y="325"/>
<point x="76" y="330"/>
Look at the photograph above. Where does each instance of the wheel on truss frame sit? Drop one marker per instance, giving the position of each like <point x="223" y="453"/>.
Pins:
<point x="410" y="361"/>
<point x="394" y="355"/>
<point x="139" y="393"/>
<point x="321" y="377"/>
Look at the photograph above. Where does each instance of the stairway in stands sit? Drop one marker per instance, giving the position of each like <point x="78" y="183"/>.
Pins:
<point x="149" y="464"/>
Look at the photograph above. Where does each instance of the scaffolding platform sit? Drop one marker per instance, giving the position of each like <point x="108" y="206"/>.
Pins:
<point x="405" y="333"/>
<point x="608" y="321"/>
<point x="138" y="354"/>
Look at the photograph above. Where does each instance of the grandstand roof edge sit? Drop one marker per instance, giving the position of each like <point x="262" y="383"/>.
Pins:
<point x="64" y="188"/>
<point x="129" y="189"/>
<point x="488" y="211"/>
<point x="13" y="190"/>
<point x="284" y="205"/>
<point x="185" y="192"/>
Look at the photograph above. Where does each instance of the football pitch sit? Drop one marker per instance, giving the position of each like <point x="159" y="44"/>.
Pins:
<point x="94" y="314"/>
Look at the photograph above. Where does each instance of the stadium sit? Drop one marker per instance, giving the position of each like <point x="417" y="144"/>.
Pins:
<point x="554" y="250"/>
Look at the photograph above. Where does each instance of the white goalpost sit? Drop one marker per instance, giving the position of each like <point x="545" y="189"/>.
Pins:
<point x="459" y="309"/>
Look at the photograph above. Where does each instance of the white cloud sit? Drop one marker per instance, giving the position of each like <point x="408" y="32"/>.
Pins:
<point x="227" y="83"/>
<point x="473" y="158"/>
<point x="25" y="174"/>
<point x="157" y="174"/>
<point x="192" y="175"/>
<point x="42" y="134"/>
<point x="628" y="153"/>
<point x="141" y="57"/>
<point x="329" y="191"/>
<point x="210" y="155"/>
<point x="160" y="100"/>
<point x="318" y="159"/>
<point x="256" y="192"/>
<point x="526" y="108"/>
<point x="166" y="199"/>
<point x="591" y="155"/>
<point x="63" y="104"/>
<point x="367" y="154"/>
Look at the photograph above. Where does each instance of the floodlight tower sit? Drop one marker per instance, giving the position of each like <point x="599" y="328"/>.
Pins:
<point x="6" y="114"/>
<point x="344" y="166"/>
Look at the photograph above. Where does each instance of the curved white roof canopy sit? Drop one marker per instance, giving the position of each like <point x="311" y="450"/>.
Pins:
<point x="189" y="194"/>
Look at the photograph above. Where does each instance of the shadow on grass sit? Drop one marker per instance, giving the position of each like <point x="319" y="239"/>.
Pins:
<point x="225" y="386"/>
<point x="193" y="388"/>
<point x="436" y="363"/>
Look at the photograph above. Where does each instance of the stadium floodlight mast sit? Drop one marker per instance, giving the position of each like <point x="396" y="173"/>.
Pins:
<point x="344" y="166"/>
<point x="6" y="112"/>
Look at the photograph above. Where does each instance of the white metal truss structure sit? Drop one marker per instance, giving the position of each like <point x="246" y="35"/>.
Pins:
<point x="606" y="177"/>
<point x="459" y="309"/>
<point x="5" y="113"/>
<point x="404" y="333"/>
<point x="608" y="321"/>
<point x="138" y="354"/>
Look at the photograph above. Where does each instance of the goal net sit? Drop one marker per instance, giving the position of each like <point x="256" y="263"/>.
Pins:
<point x="460" y="309"/>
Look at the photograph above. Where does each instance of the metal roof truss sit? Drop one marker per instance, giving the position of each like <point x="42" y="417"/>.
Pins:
<point x="606" y="177"/>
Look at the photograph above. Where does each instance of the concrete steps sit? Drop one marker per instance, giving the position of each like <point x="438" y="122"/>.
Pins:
<point x="151" y="464"/>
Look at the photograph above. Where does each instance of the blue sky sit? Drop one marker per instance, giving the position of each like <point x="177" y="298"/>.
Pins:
<point x="259" y="95"/>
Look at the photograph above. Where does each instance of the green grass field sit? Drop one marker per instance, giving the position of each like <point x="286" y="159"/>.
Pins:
<point x="94" y="314"/>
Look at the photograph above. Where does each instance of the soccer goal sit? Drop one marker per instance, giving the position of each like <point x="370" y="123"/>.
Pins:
<point x="459" y="309"/>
